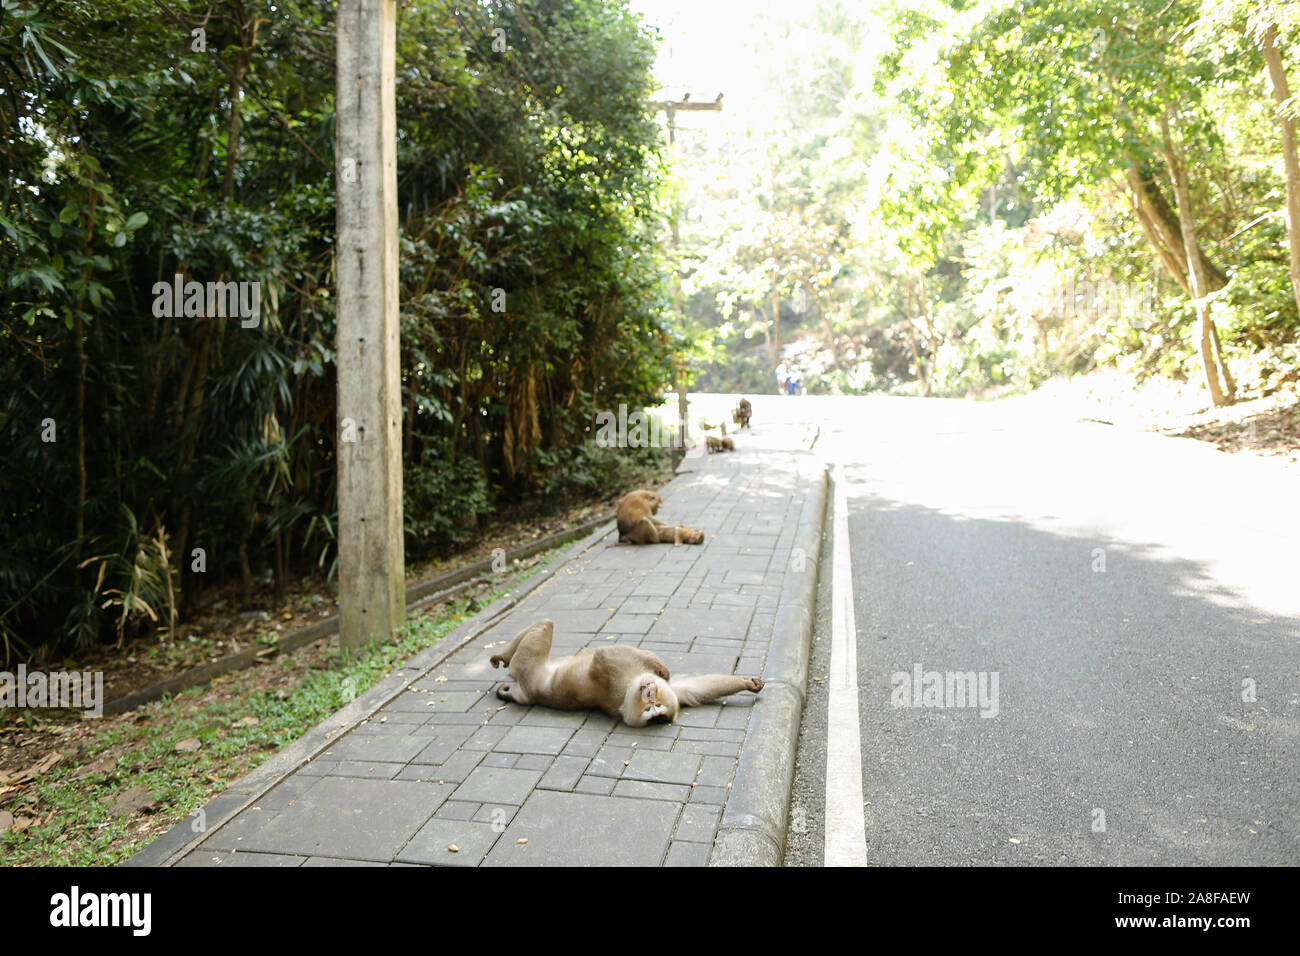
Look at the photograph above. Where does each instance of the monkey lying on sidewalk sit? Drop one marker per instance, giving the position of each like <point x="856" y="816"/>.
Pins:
<point x="637" y="527"/>
<point x="625" y="682"/>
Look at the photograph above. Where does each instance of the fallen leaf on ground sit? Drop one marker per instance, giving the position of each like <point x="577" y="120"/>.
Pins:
<point x="36" y="769"/>
<point x="129" y="802"/>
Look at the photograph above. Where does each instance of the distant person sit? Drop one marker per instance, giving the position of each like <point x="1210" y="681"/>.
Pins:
<point x="783" y="378"/>
<point x="796" y="381"/>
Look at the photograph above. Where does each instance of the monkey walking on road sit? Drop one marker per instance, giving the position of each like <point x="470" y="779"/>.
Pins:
<point x="742" y="413"/>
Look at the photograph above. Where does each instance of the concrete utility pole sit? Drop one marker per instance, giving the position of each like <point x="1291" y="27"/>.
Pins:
<point x="671" y="108"/>
<point x="371" y="560"/>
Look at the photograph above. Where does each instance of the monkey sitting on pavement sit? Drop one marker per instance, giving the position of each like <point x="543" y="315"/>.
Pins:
<point x="636" y="526"/>
<point x="719" y="444"/>
<point x="623" y="681"/>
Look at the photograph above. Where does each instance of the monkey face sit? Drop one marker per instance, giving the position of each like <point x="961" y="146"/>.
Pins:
<point x="656" y="702"/>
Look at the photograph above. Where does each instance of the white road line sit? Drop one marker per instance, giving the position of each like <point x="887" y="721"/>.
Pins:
<point x="846" y="833"/>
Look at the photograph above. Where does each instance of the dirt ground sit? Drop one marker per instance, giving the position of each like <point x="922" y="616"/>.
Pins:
<point x="1265" y="425"/>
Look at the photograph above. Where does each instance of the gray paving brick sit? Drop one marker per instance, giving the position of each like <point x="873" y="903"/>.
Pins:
<point x="319" y="767"/>
<point x="284" y="793"/>
<point x="588" y="783"/>
<point x="721" y="748"/>
<point x="503" y="714"/>
<point x="434" y="841"/>
<point x="497" y="815"/>
<point x="388" y="728"/>
<point x="455" y="702"/>
<point x="534" y="762"/>
<point x="399" y="716"/>
<point x="716" y="771"/>
<point x="438" y="750"/>
<point x="656" y="742"/>
<point x="535" y="740"/>
<point x="457" y="810"/>
<point x="677" y="792"/>
<point x="712" y="733"/>
<point x="366" y="770"/>
<point x="563" y="773"/>
<point x="244" y="827"/>
<point x="350" y="818"/>
<point x="688" y="854"/>
<point x="709" y="795"/>
<point x="734" y="717"/>
<point x="454" y="769"/>
<point x="576" y="829"/>
<point x="398" y="750"/>
<point x="698" y="823"/>
<point x="548" y="717"/>
<point x="610" y="761"/>
<point x="625" y="622"/>
<point x="497" y="785"/>
<point x="315" y="861"/>
<point x="228" y="859"/>
<point x="584" y="743"/>
<point x="441" y="685"/>
<point x="450" y="721"/>
<point x="498" y="760"/>
<point x="659" y="767"/>
<point x="678" y="626"/>
<point x="698" y="716"/>
<point x="485" y="738"/>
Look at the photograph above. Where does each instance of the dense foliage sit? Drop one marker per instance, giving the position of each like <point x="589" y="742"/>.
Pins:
<point x="142" y="140"/>
<point x="954" y="197"/>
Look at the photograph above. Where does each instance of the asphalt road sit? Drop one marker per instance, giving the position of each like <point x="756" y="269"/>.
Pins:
<point x="1125" y="607"/>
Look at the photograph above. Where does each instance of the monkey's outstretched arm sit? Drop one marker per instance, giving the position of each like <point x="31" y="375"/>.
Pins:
<point x="692" y="691"/>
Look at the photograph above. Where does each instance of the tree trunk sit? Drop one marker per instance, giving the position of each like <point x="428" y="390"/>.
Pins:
<point x="767" y="333"/>
<point x="776" y="324"/>
<point x="1163" y="229"/>
<point x="911" y="337"/>
<point x="1217" y="377"/>
<point x="1282" y="93"/>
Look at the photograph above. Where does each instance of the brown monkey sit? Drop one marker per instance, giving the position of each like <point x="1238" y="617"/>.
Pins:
<point x="623" y="681"/>
<point x="742" y="413"/>
<point x="636" y="526"/>
<point x="719" y="444"/>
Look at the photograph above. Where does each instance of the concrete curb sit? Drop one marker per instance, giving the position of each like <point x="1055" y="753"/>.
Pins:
<point x="753" y="826"/>
<point x="171" y="846"/>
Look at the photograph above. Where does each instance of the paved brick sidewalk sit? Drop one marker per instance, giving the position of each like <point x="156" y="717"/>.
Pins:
<point x="445" y="763"/>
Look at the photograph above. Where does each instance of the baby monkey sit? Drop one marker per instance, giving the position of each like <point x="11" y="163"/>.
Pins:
<point x="719" y="444"/>
<point x="625" y="682"/>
